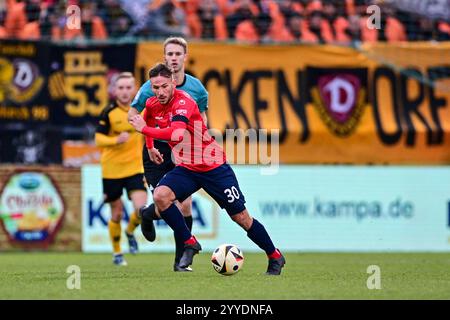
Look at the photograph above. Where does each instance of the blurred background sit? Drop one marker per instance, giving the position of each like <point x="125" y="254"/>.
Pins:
<point x="325" y="21"/>
<point x="359" y="91"/>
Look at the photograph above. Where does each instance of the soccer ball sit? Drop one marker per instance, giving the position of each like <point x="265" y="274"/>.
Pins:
<point x="227" y="259"/>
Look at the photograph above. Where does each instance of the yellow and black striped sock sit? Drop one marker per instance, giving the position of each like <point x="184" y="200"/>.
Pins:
<point x="133" y="223"/>
<point x="115" y="230"/>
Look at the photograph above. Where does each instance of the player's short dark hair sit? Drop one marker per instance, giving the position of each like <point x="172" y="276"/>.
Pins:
<point x="160" y="69"/>
<point x="176" y="40"/>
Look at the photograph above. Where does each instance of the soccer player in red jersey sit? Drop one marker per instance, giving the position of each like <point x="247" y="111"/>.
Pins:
<point x="157" y="160"/>
<point x="172" y="115"/>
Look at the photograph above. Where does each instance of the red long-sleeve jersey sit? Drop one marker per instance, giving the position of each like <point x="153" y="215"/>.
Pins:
<point x="179" y="122"/>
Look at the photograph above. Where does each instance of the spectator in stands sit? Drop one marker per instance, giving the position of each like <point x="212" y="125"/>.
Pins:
<point x="3" y="33"/>
<point x="297" y="29"/>
<point x="15" y="18"/>
<point x="190" y="9"/>
<point x="337" y="22"/>
<point x="118" y="20"/>
<point x="165" y="19"/>
<point x="269" y="7"/>
<point x="48" y="22"/>
<point x="294" y="24"/>
<point x="353" y="30"/>
<point x="278" y="11"/>
<point x="137" y="12"/>
<point x="212" y="22"/>
<point x="54" y="21"/>
<point x="430" y="30"/>
<point x="45" y="20"/>
<point x="92" y="26"/>
<point x="254" y="30"/>
<point x="294" y="27"/>
<point x="243" y="11"/>
<point x="228" y="7"/>
<point x="31" y="30"/>
<point x="321" y="21"/>
<point x="288" y="8"/>
<point x="391" y="29"/>
<point x="318" y="28"/>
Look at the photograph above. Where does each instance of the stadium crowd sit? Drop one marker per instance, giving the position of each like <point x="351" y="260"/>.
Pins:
<point x="254" y="21"/>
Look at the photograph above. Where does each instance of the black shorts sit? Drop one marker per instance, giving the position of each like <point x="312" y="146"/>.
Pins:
<point x="154" y="172"/>
<point x="113" y="188"/>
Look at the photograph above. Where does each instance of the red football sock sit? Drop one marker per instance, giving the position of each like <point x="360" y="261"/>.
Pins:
<point x="191" y="240"/>
<point x="275" y="255"/>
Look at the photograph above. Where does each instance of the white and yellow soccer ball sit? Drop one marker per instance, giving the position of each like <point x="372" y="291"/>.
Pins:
<point x="227" y="259"/>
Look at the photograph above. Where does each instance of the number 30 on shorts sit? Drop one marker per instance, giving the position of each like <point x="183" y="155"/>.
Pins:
<point x="232" y="194"/>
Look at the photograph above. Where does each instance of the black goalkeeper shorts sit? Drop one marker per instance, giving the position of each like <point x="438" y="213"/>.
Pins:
<point x="154" y="172"/>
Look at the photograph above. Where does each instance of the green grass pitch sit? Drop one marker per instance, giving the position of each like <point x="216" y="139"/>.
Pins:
<point x="150" y="276"/>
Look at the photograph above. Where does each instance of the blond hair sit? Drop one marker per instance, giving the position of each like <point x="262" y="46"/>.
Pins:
<point x="124" y="75"/>
<point x="176" y="40"/>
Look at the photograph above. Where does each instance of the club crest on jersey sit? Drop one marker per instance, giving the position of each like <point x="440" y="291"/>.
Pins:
<point x="339" y="98"/>
<point x="181" y="102"/>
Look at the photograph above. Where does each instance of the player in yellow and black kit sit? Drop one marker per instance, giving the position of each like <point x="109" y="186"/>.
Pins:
<point x="121" y="163"/>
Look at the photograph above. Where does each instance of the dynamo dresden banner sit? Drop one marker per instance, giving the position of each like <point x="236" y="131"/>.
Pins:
<point x="58" y="84"/>
<point x="331" y="104"/>
<point x="23" y="74"/>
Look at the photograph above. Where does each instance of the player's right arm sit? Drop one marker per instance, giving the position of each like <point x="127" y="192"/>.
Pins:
<point x="153" y="153"/>
<point x="175" y="132"/>
<point x="102" y="136"/>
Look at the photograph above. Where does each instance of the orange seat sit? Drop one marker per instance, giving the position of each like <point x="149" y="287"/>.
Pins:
<point x="340" y="26"/>
<point x="194" y="24"/>
<point x="307" y="35"/>
<point x="281" y="34"/>
<point x="325" y="31"/>
<point x="15" y="19"/>
<point x="3" y="33"/>
<point x="31" y="31"/>
<point x="227" y="8"/>
<point x="350" y="7"/>
<point x="220" y="27"/>
<point x="444" y="27"/>
<point x="394" y="31"/>
<point x="98" y="31"/>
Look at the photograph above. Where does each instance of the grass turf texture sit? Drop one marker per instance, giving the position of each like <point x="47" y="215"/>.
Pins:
<point x="150" y="276"/>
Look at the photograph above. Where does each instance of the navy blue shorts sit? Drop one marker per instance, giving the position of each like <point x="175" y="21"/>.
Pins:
<point x="220" y="183"/>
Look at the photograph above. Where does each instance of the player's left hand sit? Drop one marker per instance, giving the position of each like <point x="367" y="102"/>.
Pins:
<point x="138" y="122"/>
